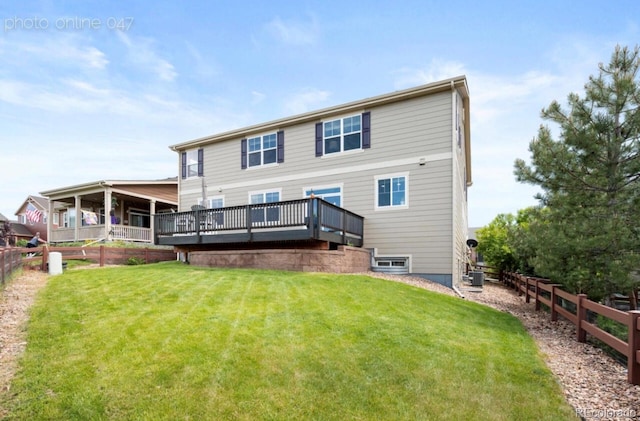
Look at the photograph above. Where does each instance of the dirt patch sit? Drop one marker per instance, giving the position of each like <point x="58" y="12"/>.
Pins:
<point x="15" y="301"/>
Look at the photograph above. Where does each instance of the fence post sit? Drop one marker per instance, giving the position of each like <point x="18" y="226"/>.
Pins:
<point x="146" y="255"/>
<point x="633" y="358"/>
<point x="101" y="255"/>
<point x="4" y="262"/>
<point x="554" y="312"/>
<point x="581" y="313"/>
<point x="527" y="298"/>
<point x="45" y="258"/>
<point x="537" y="295"/>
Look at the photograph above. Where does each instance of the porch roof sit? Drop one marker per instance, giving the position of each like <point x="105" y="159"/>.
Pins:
<point x="165" y="190"/>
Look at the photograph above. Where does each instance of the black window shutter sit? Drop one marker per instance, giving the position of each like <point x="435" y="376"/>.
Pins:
<point x="200" y="162"/>
<point x="366" y="130"/>
<point x="184" y="164"/>
<point x="319" y="139"/>
<point x="243" y="154"/>
<point x="280" y="136"/>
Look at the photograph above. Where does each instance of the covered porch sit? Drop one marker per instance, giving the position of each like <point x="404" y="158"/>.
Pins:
<point x="109" y="210"/>
<point x="294" y="221"/>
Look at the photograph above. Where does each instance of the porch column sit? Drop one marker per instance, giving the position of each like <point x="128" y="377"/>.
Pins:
<point x="50" y="220"/>
<point x="107" y="213"/>
<point x="76" y="229"/>
<point x="152" y="214"/>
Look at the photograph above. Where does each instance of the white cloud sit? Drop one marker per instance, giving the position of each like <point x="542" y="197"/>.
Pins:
<point x="407" y="77"/>
<point x="257" y="97"/>
<point x="305" y="100"/>
<point x="294" y="32"/>
<point x="60" y="49"/>
<point x="142" y="54"/>
<point x="203" y="68"/>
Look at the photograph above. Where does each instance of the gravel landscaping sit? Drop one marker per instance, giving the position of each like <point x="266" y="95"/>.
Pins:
<point x="593" y="382"/>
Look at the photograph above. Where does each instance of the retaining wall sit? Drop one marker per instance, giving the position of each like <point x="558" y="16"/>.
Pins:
<point x="344" y="260"/>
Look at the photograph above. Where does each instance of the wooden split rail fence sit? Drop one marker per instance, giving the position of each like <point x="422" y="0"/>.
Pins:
<point x="14" y="258"/>
<point x="10" y="261"/>
<point x="544" y="292"/>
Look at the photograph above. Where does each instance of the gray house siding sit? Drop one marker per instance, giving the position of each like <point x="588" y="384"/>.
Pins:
<point x="415" y="137"/>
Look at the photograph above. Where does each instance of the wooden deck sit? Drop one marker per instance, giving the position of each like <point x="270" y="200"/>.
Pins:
<point x="293" y="220"/>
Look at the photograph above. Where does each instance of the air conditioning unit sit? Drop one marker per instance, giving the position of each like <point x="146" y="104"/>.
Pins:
<point x="477" y="278"/>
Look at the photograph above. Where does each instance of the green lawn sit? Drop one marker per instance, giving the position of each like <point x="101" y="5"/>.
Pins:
<point x="174" y="342"/>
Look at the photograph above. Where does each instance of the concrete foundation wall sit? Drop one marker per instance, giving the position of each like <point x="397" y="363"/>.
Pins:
<point x="344" y="260"/>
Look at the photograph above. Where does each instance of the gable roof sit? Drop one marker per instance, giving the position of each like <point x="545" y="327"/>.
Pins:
<point x="459" y="82"/>
<point x="42" y="203"/>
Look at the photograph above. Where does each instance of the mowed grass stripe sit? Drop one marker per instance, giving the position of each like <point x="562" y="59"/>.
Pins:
<point x="169" y="341"/>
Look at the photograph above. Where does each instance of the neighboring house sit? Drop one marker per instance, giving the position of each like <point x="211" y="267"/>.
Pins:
<point x="16" y="231"/>
<point x="23" y="232"/>
<point x="392" y="170"/>
<point x="34" y="215"/>
<point x="109" y="209"/>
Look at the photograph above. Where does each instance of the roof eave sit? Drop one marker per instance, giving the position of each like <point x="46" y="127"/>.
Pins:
<point x="458" y="82"/>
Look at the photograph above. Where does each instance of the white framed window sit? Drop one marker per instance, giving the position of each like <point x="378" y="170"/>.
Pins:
<point x="332" y="194"/>
<point x="216" y="202"/>
<point x="267" y="214"/>
<point x="262" y="150"/>
<point x="392" y="191"/>
<point x="69" y="218"/>
<point x="56" y="218"/>
<point x="192" y="163"/>
<point x="343" y="134"/>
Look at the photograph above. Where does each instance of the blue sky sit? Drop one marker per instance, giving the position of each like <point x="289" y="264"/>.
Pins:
<point x="94" y="90"/>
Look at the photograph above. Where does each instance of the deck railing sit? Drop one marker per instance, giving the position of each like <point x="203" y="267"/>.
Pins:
<point x="313" y="214"/>
<point x="94" y="232"/>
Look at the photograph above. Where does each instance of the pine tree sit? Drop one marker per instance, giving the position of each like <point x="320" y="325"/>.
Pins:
<point x="589" y="238"/>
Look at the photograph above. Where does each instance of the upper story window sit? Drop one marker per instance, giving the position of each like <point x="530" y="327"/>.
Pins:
<point x="391" y="191"/>
<point x="343" y="134"/>
<point x="262" y="150"/>
<point x="192" y="163"/>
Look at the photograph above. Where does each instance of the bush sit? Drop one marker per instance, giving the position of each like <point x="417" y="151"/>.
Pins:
<point x="135" y="261"/>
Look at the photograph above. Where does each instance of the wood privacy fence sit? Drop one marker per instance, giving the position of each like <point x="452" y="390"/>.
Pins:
<point x="10" y="261"/>
<point x="582" y="312"/>
<point x="101" y="255"/>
